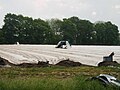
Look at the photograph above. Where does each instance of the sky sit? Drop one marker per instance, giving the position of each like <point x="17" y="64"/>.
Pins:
<point x="93" y="10"/>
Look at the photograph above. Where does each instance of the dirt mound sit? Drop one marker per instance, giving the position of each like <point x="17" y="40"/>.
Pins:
<point x="68" y="63"/>
<point x="108" y="63"/>
<point x="5" y="63"/>
<point x="39" y="64"/>
<point x="2" y="62"/>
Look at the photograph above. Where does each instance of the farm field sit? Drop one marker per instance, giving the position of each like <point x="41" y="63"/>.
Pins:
<point x="89" y="55"/>
<point x="55" y="78"/>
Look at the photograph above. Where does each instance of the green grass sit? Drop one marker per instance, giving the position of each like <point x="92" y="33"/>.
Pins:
<point x="54" y="78"/>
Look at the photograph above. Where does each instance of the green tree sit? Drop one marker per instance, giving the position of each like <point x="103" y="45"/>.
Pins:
<point x="84" y="30"/>
<point x="18" y="28"/>
<point x="75" y="20"/>
<point x="55" y="25"/>
<point x="119" y="39"/>
<point x="69" y="31"/>
<point x="26" y="30"/>
<point x="107" y="33"/>
<point x="1" y="37"/>
<point x="42" y="32"/>
<point x="9" y="28"/>
<point x="112" y="34"/>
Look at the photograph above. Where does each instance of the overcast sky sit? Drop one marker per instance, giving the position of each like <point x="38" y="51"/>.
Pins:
<point x="93" y="10"/>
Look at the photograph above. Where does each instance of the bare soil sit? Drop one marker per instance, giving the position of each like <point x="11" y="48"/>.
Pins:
<point x="69" y="63"/>
<point x="108" y="63"/>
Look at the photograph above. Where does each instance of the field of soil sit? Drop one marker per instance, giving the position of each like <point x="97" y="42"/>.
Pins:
<point x="89" y="55"/>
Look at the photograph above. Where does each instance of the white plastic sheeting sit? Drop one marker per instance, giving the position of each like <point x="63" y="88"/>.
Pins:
<point x="90" y="55"/>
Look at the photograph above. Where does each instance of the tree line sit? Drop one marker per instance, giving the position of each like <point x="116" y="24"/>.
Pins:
<point x="26" y="30"/>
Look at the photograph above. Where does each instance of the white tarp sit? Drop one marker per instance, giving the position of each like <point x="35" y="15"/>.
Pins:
<point x="90" y="55"/>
